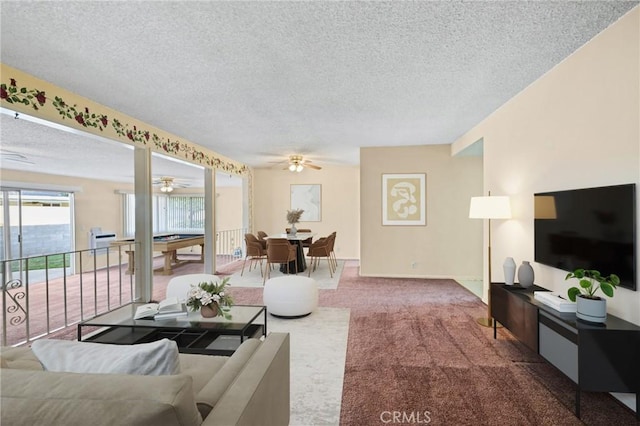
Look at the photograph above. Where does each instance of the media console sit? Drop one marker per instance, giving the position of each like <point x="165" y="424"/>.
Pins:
<point x="598" y="358"/>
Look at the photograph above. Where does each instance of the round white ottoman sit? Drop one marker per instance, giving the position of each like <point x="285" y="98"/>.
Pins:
<point x="292" y="296"/>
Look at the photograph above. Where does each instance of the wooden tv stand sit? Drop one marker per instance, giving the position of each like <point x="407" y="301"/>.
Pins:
<point x="598" y="358"/>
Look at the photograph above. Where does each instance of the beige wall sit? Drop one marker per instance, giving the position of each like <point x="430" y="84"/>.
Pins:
<point x="450" y="245"/>
<point x="228" y="208"/>
<point x="578" y="126"/>
<point x="340" y="207"/>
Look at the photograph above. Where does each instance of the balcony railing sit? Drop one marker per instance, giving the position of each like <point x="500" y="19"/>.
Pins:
<point x="229" y="245"/>
<point x="44" y="295"/>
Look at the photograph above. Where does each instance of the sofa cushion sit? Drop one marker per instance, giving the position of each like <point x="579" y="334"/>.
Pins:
<point x="33" y="398"/>
<point x="155" y="358"/>
<point x="215" y="388"/>
<point x="20" y="357"/>
<point x="201" y="368"/>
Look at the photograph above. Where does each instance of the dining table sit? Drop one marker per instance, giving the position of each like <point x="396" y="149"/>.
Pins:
<point x="295" y="239"/>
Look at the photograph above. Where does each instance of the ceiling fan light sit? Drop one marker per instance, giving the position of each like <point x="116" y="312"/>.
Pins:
<point x="299" y="168"/>
<point x="292" y="167"/>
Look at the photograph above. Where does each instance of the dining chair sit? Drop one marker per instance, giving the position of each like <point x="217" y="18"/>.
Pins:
<point x="332" y="244"/>
<point x="279" y="250"/>
<point x="180" y="285"/>
<point x="262" y="237"/>
<point x="318" y="249"/>
<point x="254" y="252"/>
<point x="305" y="243"/>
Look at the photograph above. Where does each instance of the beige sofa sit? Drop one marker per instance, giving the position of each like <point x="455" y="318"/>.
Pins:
<point x="249" y="388"/>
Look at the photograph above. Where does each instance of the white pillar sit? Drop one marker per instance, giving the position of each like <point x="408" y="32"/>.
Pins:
<point x="209" y="221"/>
<point x="144" y="226"/>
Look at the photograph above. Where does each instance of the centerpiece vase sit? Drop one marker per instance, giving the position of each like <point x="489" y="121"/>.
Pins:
<point x="293" y="229"/>
<point x="210" y="311"/>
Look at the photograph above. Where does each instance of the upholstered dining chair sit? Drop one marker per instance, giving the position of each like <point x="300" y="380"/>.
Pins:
<point x="279" y="250"/>
<point x="318" y="249"/>
<point x="332" y="244"/>
<point x="305" y="243"/>
<point x="262" y="237"/>
<point x="179" y="286"/>
<point x="254" y="252"/>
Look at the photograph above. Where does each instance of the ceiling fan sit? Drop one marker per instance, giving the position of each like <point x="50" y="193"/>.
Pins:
<point x="297" y="164"/>
<point x="167" y="183"/>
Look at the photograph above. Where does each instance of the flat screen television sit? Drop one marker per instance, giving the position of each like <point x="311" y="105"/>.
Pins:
<point x="591" y="228"/>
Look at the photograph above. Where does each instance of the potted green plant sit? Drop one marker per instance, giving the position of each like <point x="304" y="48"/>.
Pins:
<point x="589" y="306"/>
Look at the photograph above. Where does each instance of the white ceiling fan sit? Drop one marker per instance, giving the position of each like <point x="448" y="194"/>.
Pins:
<point x="297" y="163"/>
<point x="168" y="183"/>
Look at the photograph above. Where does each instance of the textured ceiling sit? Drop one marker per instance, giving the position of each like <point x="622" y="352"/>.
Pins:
<point x="257" y="81"/>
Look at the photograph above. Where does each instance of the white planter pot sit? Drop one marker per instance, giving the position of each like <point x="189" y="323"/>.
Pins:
<point x="592" y="310"/>
<point x="509" y="267"/>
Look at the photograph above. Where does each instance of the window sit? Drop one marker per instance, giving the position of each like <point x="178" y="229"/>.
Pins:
<point x="176" y="213"/>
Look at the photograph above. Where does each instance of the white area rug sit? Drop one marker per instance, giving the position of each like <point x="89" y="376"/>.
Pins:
<point x="321" y="275"/>
<point x="318" y="355"/>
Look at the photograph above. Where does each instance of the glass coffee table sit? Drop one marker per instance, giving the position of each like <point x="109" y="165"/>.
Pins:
<point x="193" y="333"/>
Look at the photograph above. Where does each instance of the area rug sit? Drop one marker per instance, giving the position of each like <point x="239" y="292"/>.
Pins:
<point x="318" y="352"/>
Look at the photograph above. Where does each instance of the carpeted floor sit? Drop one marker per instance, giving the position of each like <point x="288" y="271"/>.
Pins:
<point x="416" y="355"/>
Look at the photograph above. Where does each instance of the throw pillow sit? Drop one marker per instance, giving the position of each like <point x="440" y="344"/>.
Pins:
<point x="155" y="358"/>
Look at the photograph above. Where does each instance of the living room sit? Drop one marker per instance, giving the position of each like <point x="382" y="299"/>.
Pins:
<point x="575" y="127"/>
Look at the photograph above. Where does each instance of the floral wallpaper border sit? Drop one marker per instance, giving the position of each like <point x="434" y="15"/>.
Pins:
<point x="13" y="94"/>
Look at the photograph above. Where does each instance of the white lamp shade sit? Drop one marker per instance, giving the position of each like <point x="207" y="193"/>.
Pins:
<point x="490" y="208"/>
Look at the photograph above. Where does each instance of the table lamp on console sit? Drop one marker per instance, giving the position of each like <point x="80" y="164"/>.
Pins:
<point x="489" y="208"/>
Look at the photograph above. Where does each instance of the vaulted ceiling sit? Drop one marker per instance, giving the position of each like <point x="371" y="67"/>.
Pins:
<point x="259" y="80"/>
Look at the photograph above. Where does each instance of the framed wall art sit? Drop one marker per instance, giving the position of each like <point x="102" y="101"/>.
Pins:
<point x="404" y="199"/>
<point x="309" y="199"/>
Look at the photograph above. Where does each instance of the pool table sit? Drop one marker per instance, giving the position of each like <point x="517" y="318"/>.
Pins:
<point x="167" y="244"/>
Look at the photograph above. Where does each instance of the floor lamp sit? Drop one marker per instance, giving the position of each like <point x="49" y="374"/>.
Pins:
<point x="489" y="208"/>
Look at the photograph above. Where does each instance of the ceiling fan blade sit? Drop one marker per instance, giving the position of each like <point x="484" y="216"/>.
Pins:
<point x="312" y="166"/>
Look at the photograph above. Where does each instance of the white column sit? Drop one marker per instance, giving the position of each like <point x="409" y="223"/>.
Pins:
<point x="144" y="225"/>
<point x="209" y="221"/>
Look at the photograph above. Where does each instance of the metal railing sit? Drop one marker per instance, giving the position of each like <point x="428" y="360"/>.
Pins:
<point x="42" y="295"/>
<point x="229" y="245"/>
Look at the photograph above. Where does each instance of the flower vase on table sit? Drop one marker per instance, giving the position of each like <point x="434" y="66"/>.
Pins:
<point x="293" y="217"/>
<point x="211" y="298"/>
<point x="211" y="310"/>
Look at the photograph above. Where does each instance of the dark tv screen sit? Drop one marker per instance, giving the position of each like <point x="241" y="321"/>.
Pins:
<point x="592" y="228"/>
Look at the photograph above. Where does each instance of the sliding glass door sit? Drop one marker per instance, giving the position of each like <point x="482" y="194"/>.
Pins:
<point x="35" y="224"/>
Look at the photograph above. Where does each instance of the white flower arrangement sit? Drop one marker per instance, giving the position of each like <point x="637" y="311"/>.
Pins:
<point x="210" y="294"/>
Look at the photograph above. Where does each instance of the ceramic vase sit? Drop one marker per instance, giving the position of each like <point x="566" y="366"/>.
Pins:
<point x="509" y="267"/>
<point x="525" y="274"/>
<point x="592" y="310"/>
<point x="293" y="229"/>
<point x="210" y="311"/>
